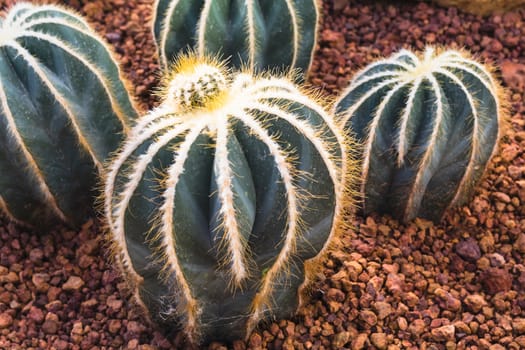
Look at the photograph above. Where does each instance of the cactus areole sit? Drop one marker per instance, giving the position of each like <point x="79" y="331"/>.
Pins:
<point x="258" y="34"/>
<point x="220" y="196"/>
<point x="63" y="109"/>
<point x="429" y="126"/>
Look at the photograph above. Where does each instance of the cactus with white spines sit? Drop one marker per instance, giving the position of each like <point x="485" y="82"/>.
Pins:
<point x="222" y="199"/>
<point x="63" y="109"/>
<point x="429" y="124"/>
<point x="258" y="34"/>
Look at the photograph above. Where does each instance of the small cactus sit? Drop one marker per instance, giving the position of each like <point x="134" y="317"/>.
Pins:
<point x="260" y="34"/>
<point x="63" y="109"/>
<point x="221" y="196"/>
<point x="429" y="126"/>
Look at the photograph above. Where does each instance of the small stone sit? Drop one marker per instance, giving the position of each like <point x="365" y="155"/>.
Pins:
<point x="383" y="309"/>
<point x="340" y="4"/>
<point x="497" y="347"/>
<point x="475" y="302"/>
<point x="340" y="339"/>
<point x="51" y="324"/>
<point x="402" y="323"/>
<point x="509" y="152"/>
<point x="462" y="328"/>
<point x="335" y="38"/>
<point x="255" y="341"/>
<point x="394" y="283"/>
<point x="114" y="326"/>
<point x="40" y="281"/>
<point x="77" y="329"/>
<point x="444" y="333"/>
<point x="449" y="301"/>
<point x="379" y="340"/>
<point x="6" y="320"/>
<point x="36" y="255"/>
<point x="518" y="325"/>
<point x="513" y="74"/>
<point x="133" y="344"/>
<point x="368" y="317"/>
<point x="417" y="327"/>
<point x="501" y="197"/>
<point x="113" y="37"/>
<point x="496" y="260"/>
<point x="519" y="244"/>
<point x="114" y="303"/>
<point x="496" y="280"/>
<point x="60" y="344"/>
<point x="359" y="342"/>
<point x="73" y="283"/>
<point x="35" y="314"/>
<point x="468" y="250"/>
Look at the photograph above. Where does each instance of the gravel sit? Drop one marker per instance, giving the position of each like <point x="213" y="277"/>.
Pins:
<point x="456" y="285"/>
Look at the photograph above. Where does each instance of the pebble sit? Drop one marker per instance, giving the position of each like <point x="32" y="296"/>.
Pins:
<point x="475" y="302"/>
<point x="444" y="333"/>
<point x="468" y="249"/>
<point x="73" y="283"/>
<point x="417" y="327"/>
<point x="51" y="323"/>
<point x="35" y="314"/>
<point x="518" y="325"/>
<point x="6" y="320"/>
<point x="496" y="280"/>
<point x="359" y="342"/>
<point x="379" y="340"/>
<point x="340" y="340"/>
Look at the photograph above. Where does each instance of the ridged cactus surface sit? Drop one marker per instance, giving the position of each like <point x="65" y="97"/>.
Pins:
<point x="63" y="109"/>
<point x="429" y="126"/>
<point x="220" y="196"/>
<point x="258" y="34"/>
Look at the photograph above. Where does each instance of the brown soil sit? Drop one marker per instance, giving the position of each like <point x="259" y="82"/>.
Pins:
<point x="457" y="285"/>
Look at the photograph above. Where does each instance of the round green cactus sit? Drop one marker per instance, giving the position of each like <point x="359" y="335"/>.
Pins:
<point x="63" y="109"/>
<point x="260" y="34"/>
<point x="429" y="126"/>
<point x="221" y="195"/>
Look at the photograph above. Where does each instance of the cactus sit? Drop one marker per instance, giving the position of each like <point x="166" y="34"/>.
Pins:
<point x="221" y="196"/>
<point x="429" y="125"/>
<point x="63" y="108"/>
<point x="261" y="35"/>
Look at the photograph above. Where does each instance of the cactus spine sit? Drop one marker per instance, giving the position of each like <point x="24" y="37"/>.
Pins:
<point x="221" y="195"/>
<point x="429" y="126"/>
<point x="63" y="108"/>
<point x="258" y="34"/>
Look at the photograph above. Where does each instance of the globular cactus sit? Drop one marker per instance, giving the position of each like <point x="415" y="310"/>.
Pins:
<point x="221" y="196"/>
<point x="429" y="126"/>
<point x="63" y="109"/>
<point x="258" y="34"/>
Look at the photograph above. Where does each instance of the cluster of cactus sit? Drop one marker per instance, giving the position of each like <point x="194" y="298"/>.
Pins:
<point x="221" y="202"/>
<point x="428" y="125"/>
<point x="224" y="168"/>
<point x="63" y="109"/>
<point x="257" y="34"/>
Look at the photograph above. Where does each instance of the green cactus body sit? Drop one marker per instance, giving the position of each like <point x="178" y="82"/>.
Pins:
<point x="258" y="34"/>
<point x="219" y="197"/>
<point x="63" y="109"/>
<point x="429" y="126"/>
